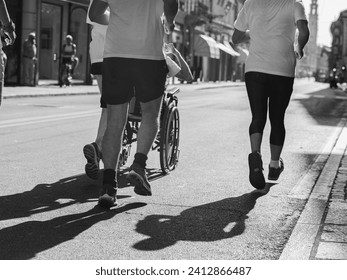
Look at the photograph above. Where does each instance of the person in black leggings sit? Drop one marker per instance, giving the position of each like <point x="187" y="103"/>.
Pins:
<point x="270" y="26"/>
<point x="273" y="92"/>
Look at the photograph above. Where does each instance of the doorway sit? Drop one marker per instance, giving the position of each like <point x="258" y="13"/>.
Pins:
<point x="50" y="40"/>
<point x="79" y="31"/>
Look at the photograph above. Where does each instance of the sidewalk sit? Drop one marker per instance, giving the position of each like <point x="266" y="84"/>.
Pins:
<point x="321" y="231"/>
<point x="78" y="89"/>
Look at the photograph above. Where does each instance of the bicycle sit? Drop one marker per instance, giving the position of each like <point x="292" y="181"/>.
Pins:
<point x="167" y="139"/>
<point x="65" y="74"/>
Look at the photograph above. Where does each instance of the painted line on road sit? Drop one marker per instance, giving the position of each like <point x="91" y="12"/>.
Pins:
<point x="301" y="241"/>
<point x="44" y="119"/>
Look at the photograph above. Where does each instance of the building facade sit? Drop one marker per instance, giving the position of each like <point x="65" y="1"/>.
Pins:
<point x="206" y="27"/>
<point x="338" y="60"/>
<point x="51" y="20"/>
<point x="202" y="34"/>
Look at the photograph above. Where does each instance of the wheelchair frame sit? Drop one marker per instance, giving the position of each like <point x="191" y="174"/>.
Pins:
<point x="167" y="139"/>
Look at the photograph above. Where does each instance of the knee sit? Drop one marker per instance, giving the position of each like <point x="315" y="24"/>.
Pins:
<point x="257" y="125"/>
<point x="277" y="125"/>
<point x="151" y="116"/>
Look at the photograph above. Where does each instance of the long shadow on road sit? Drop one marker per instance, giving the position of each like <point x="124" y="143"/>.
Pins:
<point x="326" y="106"/>
<point x="24" y="240"/>
<point x="48" y="197"/>
<point x="208" y="222"/>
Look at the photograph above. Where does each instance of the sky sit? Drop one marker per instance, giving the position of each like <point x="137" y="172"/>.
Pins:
<point x="328" y="11"/>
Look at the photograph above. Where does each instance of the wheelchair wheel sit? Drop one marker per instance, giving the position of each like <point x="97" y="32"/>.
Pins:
<point x="169" y="139"/>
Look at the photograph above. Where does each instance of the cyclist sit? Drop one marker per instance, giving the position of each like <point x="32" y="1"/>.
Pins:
<point x="68" y="55"/>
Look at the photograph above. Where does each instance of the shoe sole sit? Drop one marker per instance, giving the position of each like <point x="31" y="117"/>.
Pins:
<point x="256" y="179"/>
<point x="92" y="166"/>
<point x="140" y="187"/>
<point x="107" y="201"/>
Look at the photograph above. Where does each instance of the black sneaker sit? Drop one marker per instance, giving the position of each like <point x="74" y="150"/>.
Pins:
<point x="274" y="173"/>
<point x="256" y="176"/>
<point x="92" y="154"/>
<point x="137" y="177"/>
<point x="108" y="194"/>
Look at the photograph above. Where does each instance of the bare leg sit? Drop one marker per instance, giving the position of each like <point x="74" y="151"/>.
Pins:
<point x="145" y="137"/>
<point x="112" y="140"/>
<point x="149" y="125"/>
<point x="256" y="139"/>
<point x="103" y="118"/>
<point x="275" y="151"/>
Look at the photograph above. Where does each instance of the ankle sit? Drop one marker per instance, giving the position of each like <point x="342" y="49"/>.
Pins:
<point x="109" y="177"/>
<point x="140" y="159"/>
<point x="275" y="164"/>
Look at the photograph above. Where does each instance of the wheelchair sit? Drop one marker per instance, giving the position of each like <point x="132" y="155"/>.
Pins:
<point x="167" y="139"/>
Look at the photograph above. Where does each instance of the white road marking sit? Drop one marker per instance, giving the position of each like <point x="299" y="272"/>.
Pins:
<point x="44" y="119"/>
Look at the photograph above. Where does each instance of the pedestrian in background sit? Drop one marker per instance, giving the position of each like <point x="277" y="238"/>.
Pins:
<point x="270" y="25"/>
<point x="8" y="36"/>
<point x="133" y="59"/>
<point x="93" y="151"/>
<point x="29" y="59"/>
<point x="69" y="53"/>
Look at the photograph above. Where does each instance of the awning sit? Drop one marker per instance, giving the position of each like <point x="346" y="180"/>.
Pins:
<point x="205" y="46"/>
<point x="227" y="48"/>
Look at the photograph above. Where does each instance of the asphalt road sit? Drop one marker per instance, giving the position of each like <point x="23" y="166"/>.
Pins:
<point x="205" y="209"/>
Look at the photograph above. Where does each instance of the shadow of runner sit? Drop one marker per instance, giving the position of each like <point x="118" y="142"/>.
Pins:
<point x="208" y="222"/>
<point x="25" y="240"/>
<point x="48" y="197"/>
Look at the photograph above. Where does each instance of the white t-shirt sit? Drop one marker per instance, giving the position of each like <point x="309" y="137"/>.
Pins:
<point x="96" y="46"/>
<point x="272" y="26"/>
<point x="135" y="29"/>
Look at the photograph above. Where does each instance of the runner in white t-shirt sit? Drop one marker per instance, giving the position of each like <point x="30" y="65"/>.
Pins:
<point x="93" y="151"/>
<point x="270" y="67"/>
<point x="133" y="63"/>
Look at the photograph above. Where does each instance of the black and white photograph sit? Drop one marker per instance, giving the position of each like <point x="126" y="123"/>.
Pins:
<point x="173" y="139"/>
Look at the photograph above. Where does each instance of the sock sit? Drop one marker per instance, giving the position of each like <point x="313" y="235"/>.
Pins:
<point x="109" y="177"/>
<point x="140" y="159"/>
<point x="275" y="163"/>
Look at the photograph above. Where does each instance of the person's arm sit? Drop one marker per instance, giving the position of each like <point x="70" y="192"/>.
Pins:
<point x="240" y="36"/>
<point x="4" y="16"/>
<point x="241" y="26"/>
<point x="8" y="25"/>
<point x="74" y="49"/>
<point x="304" y="34"/>
<point x="97" y="12"/>
<point x="170" y="12"/>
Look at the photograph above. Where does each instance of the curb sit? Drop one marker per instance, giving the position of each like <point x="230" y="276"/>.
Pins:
<point x="315" y="187"/>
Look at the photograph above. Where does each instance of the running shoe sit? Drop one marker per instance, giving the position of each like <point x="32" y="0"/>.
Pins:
<point x="274" y="173"/>
<point x="137" y="177"/>
<point x="92" y="154"/>
<point x="107" y="197"/>
<point x="256" y="176"/>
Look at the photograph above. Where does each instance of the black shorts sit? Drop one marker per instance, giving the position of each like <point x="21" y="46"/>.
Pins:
<point x="121" y="77"/>
<point x="96" y="68"/>
<point x="66" y="60"/>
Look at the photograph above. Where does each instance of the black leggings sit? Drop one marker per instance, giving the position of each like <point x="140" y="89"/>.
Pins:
<point x="264" y="89"/>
